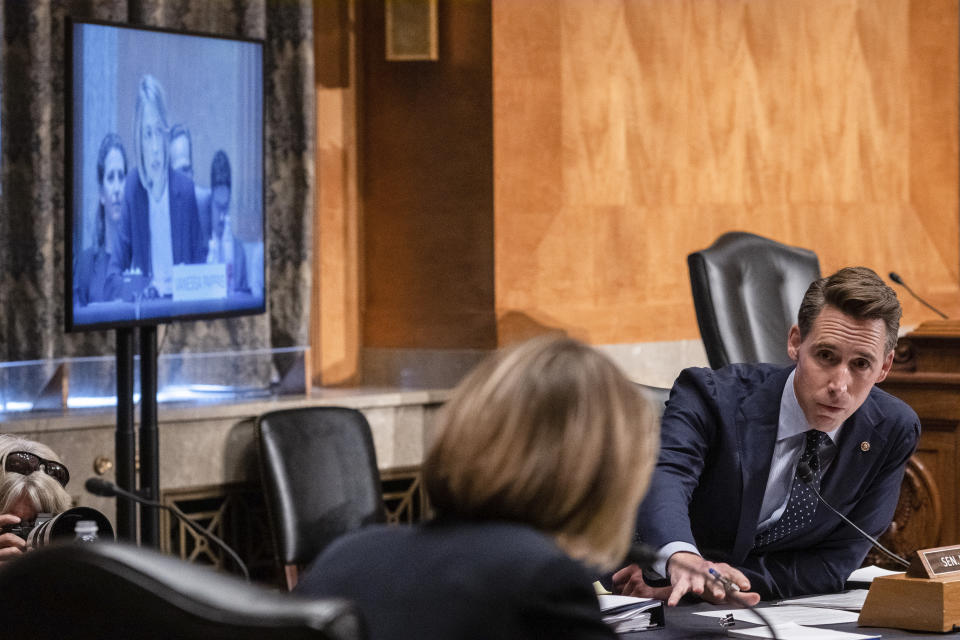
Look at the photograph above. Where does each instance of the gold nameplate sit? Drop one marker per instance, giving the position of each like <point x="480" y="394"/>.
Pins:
<point x="936" y="562"/>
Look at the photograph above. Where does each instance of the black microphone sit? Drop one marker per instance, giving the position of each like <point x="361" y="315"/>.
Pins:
<point x="805" y="473"/>
<point x="106" y="489"/>
<point x="642" y="555"/>
<point x="896" y="278"/>
<point x="101" y="487"/>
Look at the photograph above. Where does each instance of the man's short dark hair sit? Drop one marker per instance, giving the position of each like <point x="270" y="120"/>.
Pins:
<point x="220" y="170"/>
<point x="856" y="291"/>
<point x="178" y="130"/>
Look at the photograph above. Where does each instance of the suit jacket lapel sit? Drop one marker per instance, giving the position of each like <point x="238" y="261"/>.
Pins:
<point x="141" y="236"/>
<point x="757" y="420"/>
<point x="177" y="228"/>
<point x="850" y="457"/>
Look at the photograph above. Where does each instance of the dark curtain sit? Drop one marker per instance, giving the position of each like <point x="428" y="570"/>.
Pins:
<point x="33" y="195"/>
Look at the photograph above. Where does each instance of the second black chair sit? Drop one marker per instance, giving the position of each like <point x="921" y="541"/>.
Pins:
<point x="747" y="290"/>
<point x="320" y="479"/>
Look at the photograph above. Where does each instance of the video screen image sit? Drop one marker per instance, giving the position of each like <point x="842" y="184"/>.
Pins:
<point x="166" y="166"/>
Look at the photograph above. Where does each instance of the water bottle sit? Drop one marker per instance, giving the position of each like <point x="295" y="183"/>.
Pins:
<point x="85" y="531"/>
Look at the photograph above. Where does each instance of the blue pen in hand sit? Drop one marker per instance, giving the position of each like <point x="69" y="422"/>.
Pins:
<point x="727" y="583"/>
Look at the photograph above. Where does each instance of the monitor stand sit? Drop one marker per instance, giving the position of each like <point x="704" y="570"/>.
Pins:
<point x="125" y="442"/>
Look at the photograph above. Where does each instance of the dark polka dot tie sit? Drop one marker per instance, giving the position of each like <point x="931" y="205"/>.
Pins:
<point x="803" y="501"/>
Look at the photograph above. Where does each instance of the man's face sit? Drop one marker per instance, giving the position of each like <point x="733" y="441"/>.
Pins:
<point x="221" y="199"/>
<point x="838" y="362"/>
<point x="180" y="155"/>
<point x="221" y="205"/>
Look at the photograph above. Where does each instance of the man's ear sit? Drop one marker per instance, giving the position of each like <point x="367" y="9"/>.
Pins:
<point x="885" y="367"/>
<point x="793" y="343"/>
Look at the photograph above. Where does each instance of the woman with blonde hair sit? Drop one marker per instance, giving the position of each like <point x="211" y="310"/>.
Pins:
<point x="159" y="224"/>
<point x="32" y="481"/>
<point x="541" y="457"/>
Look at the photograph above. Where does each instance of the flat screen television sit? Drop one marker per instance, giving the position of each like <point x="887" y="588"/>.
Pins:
<point x="165" y="176"/>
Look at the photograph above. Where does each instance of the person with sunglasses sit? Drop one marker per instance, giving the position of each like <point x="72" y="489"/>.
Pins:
<point x="32" y="481"/>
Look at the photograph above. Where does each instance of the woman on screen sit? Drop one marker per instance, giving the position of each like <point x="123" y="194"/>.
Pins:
<point x="159" y="223"/>
<point x="540" y="459"/>
<point x="91" y="266"/>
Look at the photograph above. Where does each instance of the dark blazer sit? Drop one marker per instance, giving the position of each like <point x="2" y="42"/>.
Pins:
<point x="90" y="276"/>
<point x="132" y="246"/>
<point x="717" y="437"/>
<point x="449" y="579"/>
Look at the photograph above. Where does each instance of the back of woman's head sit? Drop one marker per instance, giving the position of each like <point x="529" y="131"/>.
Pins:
<point x="549" y="433"/>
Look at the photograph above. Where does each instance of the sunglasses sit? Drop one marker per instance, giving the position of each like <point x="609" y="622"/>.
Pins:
<point x="25" y="463"/>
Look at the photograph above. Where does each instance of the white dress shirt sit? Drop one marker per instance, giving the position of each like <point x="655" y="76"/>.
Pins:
<point x="161" y="243"/>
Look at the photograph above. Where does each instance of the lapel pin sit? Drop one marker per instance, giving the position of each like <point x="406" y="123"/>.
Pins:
<point x="864" y="446"/>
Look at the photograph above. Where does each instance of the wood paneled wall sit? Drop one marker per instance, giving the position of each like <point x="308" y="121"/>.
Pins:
<point x="629" y="133"/>
<point x="427" y="186"/>
<point x="554" y="168"/>
<point x="337" y="291"/>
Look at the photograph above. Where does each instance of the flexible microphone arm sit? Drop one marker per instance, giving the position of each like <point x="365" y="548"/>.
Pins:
<point x="806" y="474"/>
<point x="645" y="556"/>
<point x="896" y="278"/>
<point x="106" y="489"/>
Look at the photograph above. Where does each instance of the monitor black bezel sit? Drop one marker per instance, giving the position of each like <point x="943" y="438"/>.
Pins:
<point x="69" y="115"/>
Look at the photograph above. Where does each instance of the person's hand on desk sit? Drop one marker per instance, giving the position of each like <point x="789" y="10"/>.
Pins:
<point x="629" y="582"/>
<point x="11" y="545"/>
<point x="689" y="573"/>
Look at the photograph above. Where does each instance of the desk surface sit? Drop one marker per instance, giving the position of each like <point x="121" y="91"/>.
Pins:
<point x="682" y="623"/>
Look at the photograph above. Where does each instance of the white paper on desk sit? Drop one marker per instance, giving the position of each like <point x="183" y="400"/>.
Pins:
<point x="867" y="574"/>
<point x="791" y="631"/>
<point x="784" y="614"/>
<point x="851" y="600"/>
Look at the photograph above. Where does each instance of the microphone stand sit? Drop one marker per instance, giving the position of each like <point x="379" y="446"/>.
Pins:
<point x="896" y="278"/>
<point x="804" y="472"/>
<point x="109" y="488"/>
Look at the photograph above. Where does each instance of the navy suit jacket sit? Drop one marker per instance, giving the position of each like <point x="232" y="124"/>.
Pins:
<point x="455" y="579"/>
<point x="717" y="438"/>
<point x="132" y="245"/>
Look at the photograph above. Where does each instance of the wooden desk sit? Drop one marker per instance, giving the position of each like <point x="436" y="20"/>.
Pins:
<point x="926" y="375"/>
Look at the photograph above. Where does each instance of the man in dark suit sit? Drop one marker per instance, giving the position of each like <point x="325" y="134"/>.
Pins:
<point x="181" y="159"/>
<point x="725" y="495"/>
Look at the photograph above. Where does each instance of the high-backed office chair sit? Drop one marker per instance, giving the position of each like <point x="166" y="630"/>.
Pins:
<point x="657" y="396"/>
<point x="109" y="590"/>
<point x="747" y="290"/>
<point x="320" y="479"/>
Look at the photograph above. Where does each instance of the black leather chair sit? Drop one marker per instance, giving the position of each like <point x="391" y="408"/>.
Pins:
<point x="320" y="479"/>
<point x="747" y="290"/>
<point x="657" y="396"/>
<point x="109" y="590"/>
